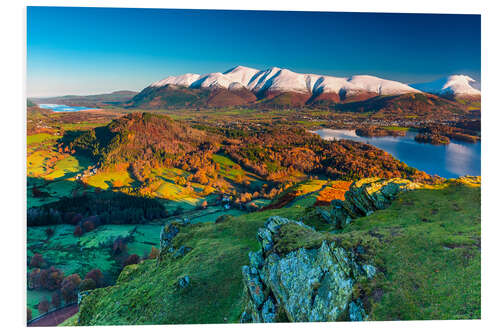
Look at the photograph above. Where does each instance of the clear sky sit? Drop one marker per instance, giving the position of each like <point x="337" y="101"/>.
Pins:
<point x="93" y="50"/>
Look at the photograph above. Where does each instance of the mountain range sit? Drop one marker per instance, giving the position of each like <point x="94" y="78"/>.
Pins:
<point x="282" y="87"/>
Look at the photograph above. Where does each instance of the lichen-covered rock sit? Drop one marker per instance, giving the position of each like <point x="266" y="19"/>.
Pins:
<point x="265" y="238"/>
<point x="256" y="259"/>
<point x="366" y="196"/>
<point x="253" y="285"/>
<point x="167" y="235"/>
<point x="313" y="284"/>
<point x="356" y="311"/>
<point x="268" y="311"/>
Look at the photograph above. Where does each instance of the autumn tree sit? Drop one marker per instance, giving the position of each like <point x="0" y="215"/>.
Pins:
<point x="87" y="284"/>
<point x="131" y="260"/>
<point x="88" y="226"/>
<point x="43" y="306"/>
<point x="69" y="288"/>
<point x="204" y="204"/>
<point x="95" y="275"/>
<point x="78" y="232"/>
<point x="51" y="278"/>
<point x="154" y="253"/>
<point x="37" y="261"/>
<point x="56" y="299"/>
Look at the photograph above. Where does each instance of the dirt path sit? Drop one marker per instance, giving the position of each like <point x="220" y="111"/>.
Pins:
<point x="56" y="317"/>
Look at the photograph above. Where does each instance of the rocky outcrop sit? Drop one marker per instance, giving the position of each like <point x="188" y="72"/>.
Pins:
<point x="313" y="284"/>
<point x="167" y="235"/>
<point x="363" y="198"/>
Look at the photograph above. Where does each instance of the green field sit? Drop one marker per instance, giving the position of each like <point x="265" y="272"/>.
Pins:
<point x="93" y="250"/>
<point x="34" y="297"/>
<point x="41" y="137"/>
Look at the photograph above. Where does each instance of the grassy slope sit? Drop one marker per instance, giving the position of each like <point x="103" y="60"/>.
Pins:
<point x="431" y="251"/>
<point x="426" y="245"/>
<point x="149" y="294"/>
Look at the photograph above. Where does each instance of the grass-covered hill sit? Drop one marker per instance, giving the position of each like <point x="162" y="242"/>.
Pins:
<point x="425" y="246"/>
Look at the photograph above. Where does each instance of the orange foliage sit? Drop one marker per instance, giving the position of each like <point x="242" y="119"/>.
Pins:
<point x="336" y="191"/>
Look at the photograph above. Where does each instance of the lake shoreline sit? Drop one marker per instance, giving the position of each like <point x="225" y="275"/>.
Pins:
<point x="449" y="161"/>
<point x="60" y="108"/>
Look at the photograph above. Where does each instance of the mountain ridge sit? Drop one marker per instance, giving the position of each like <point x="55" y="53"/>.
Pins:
<point x="281" y="87"/>
<point x="285" y="80"/>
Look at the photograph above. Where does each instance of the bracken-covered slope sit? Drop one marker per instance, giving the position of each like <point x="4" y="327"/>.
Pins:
<point x="424" y="249"/>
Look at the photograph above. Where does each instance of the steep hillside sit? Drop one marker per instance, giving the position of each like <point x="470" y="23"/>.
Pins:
<point x="424" y="249"/>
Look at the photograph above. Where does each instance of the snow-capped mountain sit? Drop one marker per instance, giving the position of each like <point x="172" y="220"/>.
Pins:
<point x="280" y="87"/>
<point x="275" y="79"/>
<point x="454" y="85"/>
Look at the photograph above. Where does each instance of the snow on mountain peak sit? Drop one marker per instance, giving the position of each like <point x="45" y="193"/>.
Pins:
<point x="184" y="80"/>
<point x="380" y="86"/>
<point x="453" y="84"/>
<point x="285" y="80"/>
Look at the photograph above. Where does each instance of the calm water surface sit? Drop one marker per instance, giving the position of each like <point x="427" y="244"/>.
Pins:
<point x="64" y="108"/>
<point x="449" y="161"/>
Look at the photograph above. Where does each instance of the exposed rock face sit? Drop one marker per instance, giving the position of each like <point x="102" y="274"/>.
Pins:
<point x="167" y="235"/>
<point x="303" y="285"/>
<point x="364" y="197"/>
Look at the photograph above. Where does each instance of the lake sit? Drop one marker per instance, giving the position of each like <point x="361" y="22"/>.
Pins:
<point x="64" y="108"/>
<point x="449" y="161"/>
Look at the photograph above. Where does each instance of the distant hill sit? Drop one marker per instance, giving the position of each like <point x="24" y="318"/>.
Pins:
<point x="98" y="100"/>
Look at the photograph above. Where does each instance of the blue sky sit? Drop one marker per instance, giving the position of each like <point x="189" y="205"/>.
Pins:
<point x="91" y="50"/>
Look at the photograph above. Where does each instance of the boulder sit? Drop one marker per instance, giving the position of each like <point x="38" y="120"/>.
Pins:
<point x="314" y="284"/>
<point x="183" y="281"/>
